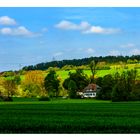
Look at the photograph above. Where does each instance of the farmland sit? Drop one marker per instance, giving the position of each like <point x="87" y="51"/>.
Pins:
<point x="40" y="107"/>
<point x="69" y="116"/>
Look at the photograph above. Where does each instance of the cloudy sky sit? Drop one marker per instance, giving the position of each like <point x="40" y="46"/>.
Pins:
<point x="34" y="35"/>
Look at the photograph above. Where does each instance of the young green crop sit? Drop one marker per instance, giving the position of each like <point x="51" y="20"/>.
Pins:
<point x="70" y="116"/>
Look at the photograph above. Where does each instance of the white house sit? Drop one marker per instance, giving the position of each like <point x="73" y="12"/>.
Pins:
<point x="90" y="91"/>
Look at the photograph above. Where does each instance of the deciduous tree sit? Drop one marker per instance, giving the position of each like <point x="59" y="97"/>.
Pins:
<point x="52" y="83"/>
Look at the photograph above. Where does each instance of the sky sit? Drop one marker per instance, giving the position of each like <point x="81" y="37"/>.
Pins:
<point x="33" y="35"/>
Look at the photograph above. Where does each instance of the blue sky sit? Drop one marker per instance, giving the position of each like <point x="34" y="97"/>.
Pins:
<point x="33" y="35"/>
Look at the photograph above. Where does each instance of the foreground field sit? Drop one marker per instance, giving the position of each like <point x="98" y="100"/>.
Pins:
<point x="70" y="116"/>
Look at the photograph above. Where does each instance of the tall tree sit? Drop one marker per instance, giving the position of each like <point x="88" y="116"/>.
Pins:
<point x="72" y="88"/>
<point x="33" y="83"/>
<point x="10" y="87"/>
<point x="79" y="78"/>
<point x="52" y="83"/>
<point x="92" y="66"/>
<point x="126" y="86"/>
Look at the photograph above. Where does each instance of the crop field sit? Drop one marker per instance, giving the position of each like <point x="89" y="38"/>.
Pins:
<point x="69" y="116"/>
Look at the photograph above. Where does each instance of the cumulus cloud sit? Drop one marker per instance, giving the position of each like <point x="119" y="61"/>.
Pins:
<point x="67" y="25"/>
<point x="18" y="31"/>
<point x="5" y="20"/>
<point x="101" y="30"/>
<point x="114" y="53"/>
<point x="85" y="28"/>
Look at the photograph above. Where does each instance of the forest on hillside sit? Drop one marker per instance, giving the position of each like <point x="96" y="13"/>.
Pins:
<point x="84" y="61"/>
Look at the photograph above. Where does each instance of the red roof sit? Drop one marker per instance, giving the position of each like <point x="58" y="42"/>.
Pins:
<point x="92" y="87"/>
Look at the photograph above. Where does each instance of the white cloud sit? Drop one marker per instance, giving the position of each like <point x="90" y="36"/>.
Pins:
<point x="90" y="50"/>
<point x="101" y="30"/>
<point x="135" y="52"/>
<point x="85" y="28"/>
<point x="129" y="45"/>
<point x="22" y="31"/>
<point x="6" y="31"/>
<point x="114" y="53"/>
<point x="67" y="25"/>
<point x="5" y="20"/>
<point x="18" y="31"/>
<point x="58" y="54"/>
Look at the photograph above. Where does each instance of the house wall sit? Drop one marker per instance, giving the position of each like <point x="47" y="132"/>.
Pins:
<point x="89" y="94"/>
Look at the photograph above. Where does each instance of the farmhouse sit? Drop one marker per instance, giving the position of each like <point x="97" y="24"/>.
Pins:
<point x="90" y="91"/>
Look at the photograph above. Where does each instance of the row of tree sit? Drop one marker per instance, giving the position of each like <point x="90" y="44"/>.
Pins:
<point x="119" y="87"/>
<point x="84" y="61"/>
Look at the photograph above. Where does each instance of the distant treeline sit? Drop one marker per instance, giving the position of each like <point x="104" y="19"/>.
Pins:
<point x="79" y="62"/>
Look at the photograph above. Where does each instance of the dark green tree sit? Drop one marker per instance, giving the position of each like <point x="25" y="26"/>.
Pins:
<point x="79" y="78"/>
<point x="93" y="67"/>
<point x="125" y="87"/>
<point x="106" y="83"/>
<point x="72" y="89"/>
<point x="52" y="84"/>
<point x="135" y="94"/>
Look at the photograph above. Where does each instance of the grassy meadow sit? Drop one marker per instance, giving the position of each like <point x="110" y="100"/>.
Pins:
<point x="69" y="116"/>
<point x="100" y="73"/>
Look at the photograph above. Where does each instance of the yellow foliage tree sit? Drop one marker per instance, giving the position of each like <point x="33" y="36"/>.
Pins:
<point x="34" y="82"/>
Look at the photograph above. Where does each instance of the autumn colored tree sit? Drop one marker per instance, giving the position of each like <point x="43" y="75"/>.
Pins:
<point x="33" y="83"/>
<point x="10" y="87"/>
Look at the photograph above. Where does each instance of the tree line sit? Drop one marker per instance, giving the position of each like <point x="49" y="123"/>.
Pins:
<point x="84" y="61"/>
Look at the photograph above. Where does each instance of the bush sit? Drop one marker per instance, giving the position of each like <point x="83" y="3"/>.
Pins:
<point x="44" y="99"/>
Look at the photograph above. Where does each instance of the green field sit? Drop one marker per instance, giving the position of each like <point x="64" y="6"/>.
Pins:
<point x="69" y="116"/>
<point x="100" y="73"/>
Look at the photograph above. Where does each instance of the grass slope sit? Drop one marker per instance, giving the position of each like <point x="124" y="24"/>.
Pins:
<point x="69" y="116"/>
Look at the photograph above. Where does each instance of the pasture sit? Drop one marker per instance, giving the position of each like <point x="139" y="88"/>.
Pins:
<point x="69" y="116"/>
